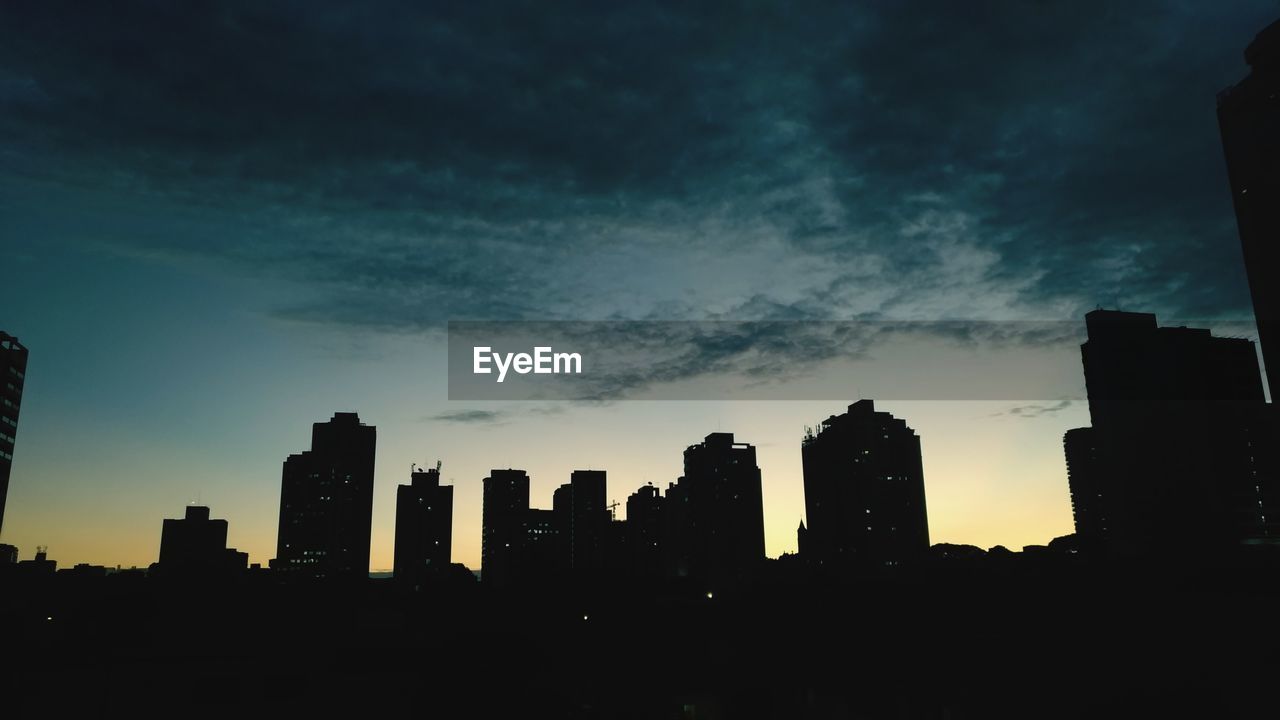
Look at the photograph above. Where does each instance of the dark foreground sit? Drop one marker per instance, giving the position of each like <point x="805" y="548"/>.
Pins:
<point x="1060" y="642"/>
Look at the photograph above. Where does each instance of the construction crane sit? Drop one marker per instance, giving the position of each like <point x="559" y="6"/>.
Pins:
<point x="613" y="507"/>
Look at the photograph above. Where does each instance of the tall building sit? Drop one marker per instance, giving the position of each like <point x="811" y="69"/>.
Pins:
<point x="326" y="502"/>
<point x="1249" y="119"/>
<point x="424" y="526"/>
<point x="714" y="514"/>
<point x="864" y="489"/>
<point x="588" y="520"/>
<point x="644" y="532"/>
<point x="13" y="373"/>
<point x="1180" y="456"/>
<point x="196" y="544"/>
<point x="504" y="517"/>
<point x="1084" y="473"/>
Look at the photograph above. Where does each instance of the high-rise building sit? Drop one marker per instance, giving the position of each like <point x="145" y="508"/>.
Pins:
<point x="714" y="514"/>
<point x="864" y="489"/>
<point x="1180" y="456"/>
<point x="424" y="526"/>
<point x="1249" y="119"/>
<point x="504" y="517"/>
<point x="13" y="373"/>
<point x="1084" y="473"/>
<point x="326" y="502"/>
<point x="196" y="544"/>
<point x="588" y="519"/>
<point x="644" y="532"/>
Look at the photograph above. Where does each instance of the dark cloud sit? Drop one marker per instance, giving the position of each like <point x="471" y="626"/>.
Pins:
<point x="407" y="163"/>
<point x="1035" y="410"/>
<point x="469" y="417"/>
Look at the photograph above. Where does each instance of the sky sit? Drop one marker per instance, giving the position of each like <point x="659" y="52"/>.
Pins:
<point x="222" y="222"/>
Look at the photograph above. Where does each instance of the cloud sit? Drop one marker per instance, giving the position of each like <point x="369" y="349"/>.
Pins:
<point x="407" y="164"/>
<point x="1035" y="410"/>
<point x="469" y="417"/>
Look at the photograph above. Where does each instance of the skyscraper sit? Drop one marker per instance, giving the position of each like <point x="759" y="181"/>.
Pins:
<point x="1249" y="119"/>
<point x="1180" y="456"/>
<point x="588" y="519"/>
<point x="13" y="373"/>
<point x="424" y="526"/>
<point x="644" y="532"/>
<point x="326" y="502"/>
<point x="504" y="517"/>
<point x="1084" y="480"/>
<point x="714" y="514"/>
<point x="864" y="489"/>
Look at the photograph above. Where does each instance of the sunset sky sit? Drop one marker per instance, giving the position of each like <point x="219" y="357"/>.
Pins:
<point x="220" y="223"/>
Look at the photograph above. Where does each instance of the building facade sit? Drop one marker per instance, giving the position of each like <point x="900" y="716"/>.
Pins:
<point x="1249" y="120"/>
<point x="714" y="514"/>
<point x="1084" y="473"/>
<point x="197" y="545"/>
<point x="504" y="520"/>
<point x="1179" y="457"/>
<point x="424" y="527"/>
<point x="13" y="374"/>
<point x="864" y="490"/>
<point x="326" y="502"/>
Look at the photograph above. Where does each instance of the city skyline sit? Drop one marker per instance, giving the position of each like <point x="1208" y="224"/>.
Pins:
<point x="189" y="310"/>
<point x="1216" y="375"/>
<point x="847" y="360"/>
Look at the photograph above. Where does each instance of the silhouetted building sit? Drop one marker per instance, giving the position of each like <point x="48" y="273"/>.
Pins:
<point x="523" y="544"/>
<point x="714" y="514"/>
<point x="84" y="570"/>
<point x="1084" y="478"/>
<point x="13" y="373"/>
<point x="644" y="532"/>
<point x="41" y="565"/>
<point x="8" y="554"/>
<point x="543" y="553"/>
<point x="864" y="489"/>
<point x="326" y="502"/>
<point x="424" y="526"/>
<point x="617" y="560"/>
<point x="196" y="545"/>
<point x="675" y="545"/>
<point x="1182" y="452"/>
<point x="505" y="513"/>
<point x="588" y="519"/>
<point x="1249" y="118"/>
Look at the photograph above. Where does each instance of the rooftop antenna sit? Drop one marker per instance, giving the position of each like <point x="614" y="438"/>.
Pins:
<point x="439" y="464"/>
